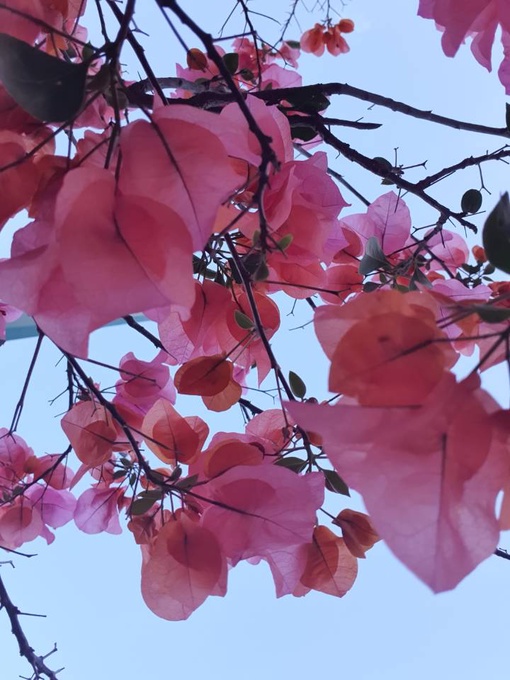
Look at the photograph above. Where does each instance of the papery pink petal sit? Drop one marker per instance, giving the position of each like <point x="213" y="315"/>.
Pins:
<point x="97" y="510"/>
<point x="170" y="162"/>
<point x="387" y="219"/>
<point x="56" y="507"/>
<point x="19" y="523"/>
<point x="264" y="511"/>
<point x="183" y="566"/>
<point x="429" y="476"/>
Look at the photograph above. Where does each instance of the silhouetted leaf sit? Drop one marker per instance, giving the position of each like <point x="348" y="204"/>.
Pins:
<point x="373" y="259"/>
<point x="496" y="235"/>
<point x="297" y="386"/>
<point x="471" y="201"/>
<point x="50" y="89"/>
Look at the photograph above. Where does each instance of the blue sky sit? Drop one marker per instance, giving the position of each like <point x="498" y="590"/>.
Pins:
<point x="389" y="626"/>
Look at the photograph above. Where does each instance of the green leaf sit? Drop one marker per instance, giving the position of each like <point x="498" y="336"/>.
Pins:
<point x="154" y="494"/>
<point x="471" y="201"/>
<point x="335" y="483"/>
<point x="373" y="259"/>
<point x="496" y="235"/>
<point x="142" y="505"/>
<point x="303" y="132"/>
<point x="242" y="320"/>
<point x="285" y="242"/>
<point x="292" y="463"/>
<point x="384" y="165"/>
<point x="231" y="61"/>
<point x="50" y="89"/>
<point x="297" y="386"/>
<point x="187" y="482"/>
<point x="370" y="286"/>
<point x="419" y="277"/>
<point x="492" y="314"/>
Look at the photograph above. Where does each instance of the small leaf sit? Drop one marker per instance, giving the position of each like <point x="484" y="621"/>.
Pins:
<point x="471" y="201"/>
<point x="285" y="242"/>
<point x="262" y="272"/>
<point x="243" y="321"/>
<point x="231" y="61"/>
<point x="303" y="132"/>
<point x="373" y="259"/>
<point x="419" y="277"/>
<point x="384" y="165"/>
<point x="496" y="235"/>
<point x="297" y="386"/>
<point x="292" y="463"/>
<point x="142" y="505"/>
<point x="50" y="89"/>
<point x="492" y="314"/>
<point x="187" y="482"/>
<point x="335" y="483"/>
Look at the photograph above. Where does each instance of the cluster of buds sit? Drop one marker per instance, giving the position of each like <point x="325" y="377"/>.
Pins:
<point x="330" y="37"/>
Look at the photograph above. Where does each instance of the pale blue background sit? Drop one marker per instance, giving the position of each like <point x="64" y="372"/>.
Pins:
<point x="390" y="626"/>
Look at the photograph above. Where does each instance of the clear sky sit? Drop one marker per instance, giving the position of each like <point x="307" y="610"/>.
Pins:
<point x="389" y="626"/>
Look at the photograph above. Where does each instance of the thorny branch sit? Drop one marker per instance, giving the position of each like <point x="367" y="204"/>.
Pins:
<point x="38" y="663"/>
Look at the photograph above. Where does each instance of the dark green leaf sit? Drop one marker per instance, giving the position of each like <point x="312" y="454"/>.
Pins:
<point x="303" y="132"/>
<point x="373" y="259"/>
<point x="297" y="386"/>
<point x="335" y="483"/>
<point x="142" y="505"/>
<point x="370" y="286"/>
<point x="419" y="277"/>
<point x="285" y="242"/>
<point x="155" y="494"/>
<point x="187" y="482"/>
<point x="496" y="235"/>
<point x="492" y="314"/>
<point x="384" y="165"/>
<point x="507" y="116"/>
<point x="231" y="61"/>
<point x="471" y="201"/>
<point x="242" y="320"/>
<point x="50" y="89"/>
<point x="292" y="463"/>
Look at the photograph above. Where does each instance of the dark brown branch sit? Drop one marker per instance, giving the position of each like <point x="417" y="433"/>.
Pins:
<point x="25" y="649"/>
<point x="462" y="165"/>
<point x="376" y="168"/>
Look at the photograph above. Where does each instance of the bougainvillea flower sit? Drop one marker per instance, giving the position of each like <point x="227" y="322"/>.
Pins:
<point x="429" y="475"/>
<point x="169" y="161"/>
<point x="317" y="38"/>
<point x="265" y="511"/>
<point x="357" y="530"/>
<point x="181" y="568"/>
<point x="385" y="348"/>
<point x="144" y="382"/>
<point x="387" y="218"/>
<point x="96" y="249"/>
<point x="478" y="19"/>
<point x="171" y="437"/>
<point x="330" y="566"/>
<point x="91" y="431"/>
<point x="97" y="510"/>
